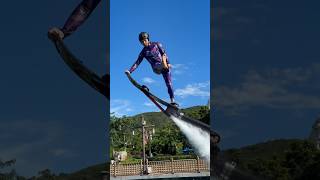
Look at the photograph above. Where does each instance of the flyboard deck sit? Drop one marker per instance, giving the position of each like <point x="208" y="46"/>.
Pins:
<point x="99" y="84"/>
<point x="170" y="109"/>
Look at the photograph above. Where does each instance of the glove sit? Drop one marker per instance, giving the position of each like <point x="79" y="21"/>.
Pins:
<point x="55" y="34"/>
<point x="127" y="72"/>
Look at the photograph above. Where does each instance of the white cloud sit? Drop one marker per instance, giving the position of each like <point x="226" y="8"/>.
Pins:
<point x="150" y="107"/>
<point x="197" y="89"/>
<point x="288" y="88"/>
<point x="120" y="107"/>
<point x="148" y="104"/>
<point x="129" y="109"/>
<point x="148" y="80"/>
<point x="179" y="68"/>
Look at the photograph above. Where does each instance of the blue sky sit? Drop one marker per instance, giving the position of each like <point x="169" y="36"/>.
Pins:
<point x="183" y="27"/>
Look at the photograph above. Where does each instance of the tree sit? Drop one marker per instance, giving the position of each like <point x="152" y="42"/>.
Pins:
<point x="46" y="175"/>
<point x="8" y="175"/>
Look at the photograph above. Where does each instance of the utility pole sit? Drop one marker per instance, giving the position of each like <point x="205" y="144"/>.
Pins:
<point x="143" y="146"/>
<point x="145" y="135"/>
<point x="144" y="142"/>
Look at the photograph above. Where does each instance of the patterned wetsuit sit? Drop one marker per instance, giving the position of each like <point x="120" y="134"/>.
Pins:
<point x="153" y="53"/>
<point x="79" y="15"/>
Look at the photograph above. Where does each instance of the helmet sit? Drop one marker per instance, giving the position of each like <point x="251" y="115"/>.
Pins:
<point x="143" y="35"/>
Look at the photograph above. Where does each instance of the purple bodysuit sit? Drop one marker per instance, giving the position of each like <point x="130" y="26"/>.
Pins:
<point x="153" y="53"/>
<point x="79" y="15"/>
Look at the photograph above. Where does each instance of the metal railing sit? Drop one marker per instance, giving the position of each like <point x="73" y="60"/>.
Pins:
<point x="159" y="167"/>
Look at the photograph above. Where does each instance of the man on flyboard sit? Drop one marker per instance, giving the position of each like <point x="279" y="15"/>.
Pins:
<point x="158" y="59"/>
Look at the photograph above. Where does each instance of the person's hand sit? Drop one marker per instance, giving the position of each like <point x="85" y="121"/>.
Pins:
<point x="165" y="62"/>
<point x="55" y="34"/>
<point x="127" y="72"/>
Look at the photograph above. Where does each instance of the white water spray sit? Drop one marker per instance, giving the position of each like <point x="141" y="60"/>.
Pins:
<point x="198" y="138"/>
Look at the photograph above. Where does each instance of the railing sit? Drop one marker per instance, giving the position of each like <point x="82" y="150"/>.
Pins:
<point x="160" y="167"/>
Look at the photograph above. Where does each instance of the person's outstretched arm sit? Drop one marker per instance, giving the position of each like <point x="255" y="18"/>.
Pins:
<point x="138" y="61"/>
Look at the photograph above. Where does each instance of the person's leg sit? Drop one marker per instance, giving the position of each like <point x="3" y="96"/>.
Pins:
<point x="167" y="78"/>
<point x="165" y="62"/>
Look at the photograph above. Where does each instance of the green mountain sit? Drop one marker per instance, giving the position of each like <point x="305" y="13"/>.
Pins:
<point x="89" y="173"/>
<point x="160" y="120"/>
<point x="278" y="159"/>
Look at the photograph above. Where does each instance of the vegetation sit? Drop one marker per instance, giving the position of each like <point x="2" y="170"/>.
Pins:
<point x="279" y="160"/>
<point x="90" y="173"/>
<point x="4" y="165"/>
<point x="167" y="139"/>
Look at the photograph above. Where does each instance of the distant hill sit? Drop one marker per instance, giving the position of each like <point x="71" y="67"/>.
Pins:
<point x="159" y="119"/>
<point x="89" y="173"/>
<point x="264" y="150"/>
<point x="277" y="160"/>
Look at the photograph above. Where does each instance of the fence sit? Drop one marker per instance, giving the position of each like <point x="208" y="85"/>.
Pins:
<point x="159" y="167"/>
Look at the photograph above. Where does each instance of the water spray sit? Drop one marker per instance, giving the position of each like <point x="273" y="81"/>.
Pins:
<point x="198" y="138"/>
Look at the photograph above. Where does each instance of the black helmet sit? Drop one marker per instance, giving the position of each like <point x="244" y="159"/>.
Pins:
<point x="143" y="35"/>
